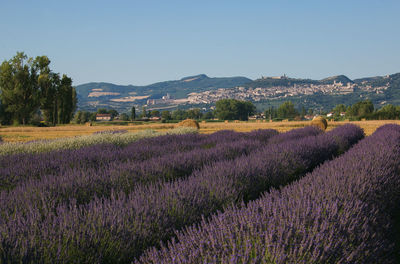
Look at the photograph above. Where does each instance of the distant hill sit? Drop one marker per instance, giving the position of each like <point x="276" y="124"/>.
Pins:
<point x="339" y="78"/>
<point x="380" y="89"/>
<point x="95" y="95"/>
<point x="285" y="81"/>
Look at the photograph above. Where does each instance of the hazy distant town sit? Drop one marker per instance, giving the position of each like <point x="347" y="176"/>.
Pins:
<point x="263" y="93"/>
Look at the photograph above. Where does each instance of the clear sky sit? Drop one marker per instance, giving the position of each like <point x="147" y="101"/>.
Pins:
<point x="141" y="42"/>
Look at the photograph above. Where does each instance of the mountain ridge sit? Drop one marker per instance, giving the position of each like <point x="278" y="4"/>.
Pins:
<point x="121" y="97"/>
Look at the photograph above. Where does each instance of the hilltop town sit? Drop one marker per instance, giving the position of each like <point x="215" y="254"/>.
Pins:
<point x="276" y="92"/>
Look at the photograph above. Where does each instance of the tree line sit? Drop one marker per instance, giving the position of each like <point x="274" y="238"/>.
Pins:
<point x="365" y="109"/>
<point x="360" y="110"/>
<point x="232" y="109"/>
<point x="225" y="109"/>
<point x="30" y="90"/>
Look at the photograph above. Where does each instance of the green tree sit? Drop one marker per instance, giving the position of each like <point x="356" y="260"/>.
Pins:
<point x="287" y="110"/>
<point x="133" y="113"/>
<point x="179" y="114"/>
<point x="208" y="115"/>
<point x="144" y="112"/>
<point x="66" y="101"/>
<point x="92" y="116"/>
<point x="124" y="117"/>
<point x="232" y="109"/>
<point x="361" y="109"/>
<point x="270" y="113"/>
<point x="78" y="117"/>
<point x="27" y="84"/>
<point x="166" y="115"/>
<point x="388" y="112"/>
<point x="338" y="109"/>
<point x="194" y="113"/>
<point x="102" y="111"/>
<point x="114" y="113"/>
<point x="5" y="117"/>
<point x="19" y="87"/>
<point x="155" y="113"/>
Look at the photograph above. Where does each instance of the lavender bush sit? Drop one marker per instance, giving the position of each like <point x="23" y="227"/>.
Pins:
<point x="80" y="181"/>
<point x="342" y="212"/>
<point x="20" y="167"/>
<point x="118" y="228"/>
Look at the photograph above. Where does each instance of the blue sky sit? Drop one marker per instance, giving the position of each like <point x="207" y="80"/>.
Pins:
<point x="141" y="42"/>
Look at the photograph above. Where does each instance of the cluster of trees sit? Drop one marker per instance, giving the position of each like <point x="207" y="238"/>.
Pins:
<point x="225" y="109"/>
<point x="231" y="109"/>
<point x="366" y="109"/>
<point x="29" y="88"/>
<point x="286" y="110"/>
<point x="81" y="117"/>
<point x="179" y="114"/>
<point x="357" y="111"/>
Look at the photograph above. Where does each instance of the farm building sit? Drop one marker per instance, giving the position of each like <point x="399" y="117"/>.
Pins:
<point x="103" y="117"/>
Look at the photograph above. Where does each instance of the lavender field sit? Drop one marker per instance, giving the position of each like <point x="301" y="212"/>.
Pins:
<point x="304" y="196"/>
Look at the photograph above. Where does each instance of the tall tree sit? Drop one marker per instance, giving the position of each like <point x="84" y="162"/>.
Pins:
<point x="67" y="100"/>
<point x="19" y="87"/>
<point x="287" y="110"/>
<point x="166" y="115"/>
<point x="231" y="109"/>
<point x="361" y="109"/>
<point x="133" y="113"/>
<point x="49" y="84"/>
<point x="27" y="84"/>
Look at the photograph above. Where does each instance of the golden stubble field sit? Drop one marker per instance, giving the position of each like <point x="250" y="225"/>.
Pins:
<point x="23" y="134"/>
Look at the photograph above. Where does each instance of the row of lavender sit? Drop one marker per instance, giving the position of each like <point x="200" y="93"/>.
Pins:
<point x="342" y="212"/>
<point x="121" y="227"/>
<point x="17" y="168"/>
<point x="82" y="183"/>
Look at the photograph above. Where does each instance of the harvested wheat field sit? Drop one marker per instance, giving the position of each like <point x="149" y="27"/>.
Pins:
<point x="23" y="134"/>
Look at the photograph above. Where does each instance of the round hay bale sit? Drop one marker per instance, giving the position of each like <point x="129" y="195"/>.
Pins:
<point x="320" y="122"/>
<point x="189" y="123"/>
<point x="88" y="123"/>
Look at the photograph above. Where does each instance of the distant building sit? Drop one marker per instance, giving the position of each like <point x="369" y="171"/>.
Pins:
<point x="103" y="117"/>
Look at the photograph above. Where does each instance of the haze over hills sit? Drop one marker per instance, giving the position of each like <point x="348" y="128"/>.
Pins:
<point x="93" y="95"/>
<point x="203" y="91"/>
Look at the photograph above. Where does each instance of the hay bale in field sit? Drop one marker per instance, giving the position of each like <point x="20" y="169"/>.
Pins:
<point x="189" y="123"/>
<point x="236" y="121"/>
<point x="285" y="120"/>
<point x="203" y="122"/>
<point x="226" y="121"/>
<point x="320" y="122"/>
<point x="88" y="123"/>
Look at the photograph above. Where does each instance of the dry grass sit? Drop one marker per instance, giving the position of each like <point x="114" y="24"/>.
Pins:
<point x="20" y="134"/>
<point x="189" y="123"/>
